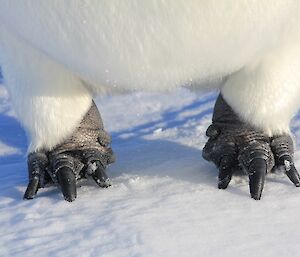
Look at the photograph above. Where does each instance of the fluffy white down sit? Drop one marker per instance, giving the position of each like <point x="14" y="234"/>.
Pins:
<point x="267" y="95"/>
<point x="48" y="100"/>
<point x="47" y="48"/>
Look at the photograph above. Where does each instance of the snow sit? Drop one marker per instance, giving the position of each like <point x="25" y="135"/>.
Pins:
<point x="164" y="200"/>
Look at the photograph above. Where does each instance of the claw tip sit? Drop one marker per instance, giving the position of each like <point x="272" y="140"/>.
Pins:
<point x="70" y="199"/>
<point x="223" y="183"/>
<point x="256" y="197"/>
<point x="28" y="197"/>
<point x="222" y="186"/>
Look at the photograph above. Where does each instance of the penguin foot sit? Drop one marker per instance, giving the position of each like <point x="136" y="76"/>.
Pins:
<point x="234" y="144"/>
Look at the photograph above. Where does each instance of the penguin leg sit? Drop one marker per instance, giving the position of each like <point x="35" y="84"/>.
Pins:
<point x="234" y="144"/>
<point x="86" y="152"/>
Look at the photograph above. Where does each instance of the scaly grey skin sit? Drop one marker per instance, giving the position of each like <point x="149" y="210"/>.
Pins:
<point x="234" y="144"/>
<point x="85" y="153"/>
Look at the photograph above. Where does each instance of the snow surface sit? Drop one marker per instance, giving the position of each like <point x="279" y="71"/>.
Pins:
<point x="164" y="200"/>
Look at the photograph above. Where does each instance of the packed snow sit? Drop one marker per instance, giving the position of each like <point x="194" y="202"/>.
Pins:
<point x="164" y="200"/>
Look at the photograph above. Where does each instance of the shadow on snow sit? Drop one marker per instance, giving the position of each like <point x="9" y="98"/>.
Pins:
<point x="136" y="155"/>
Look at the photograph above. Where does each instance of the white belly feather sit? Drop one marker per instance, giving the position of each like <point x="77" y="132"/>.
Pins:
<point x="149" y="44"/>
<point x="48" y="47"/>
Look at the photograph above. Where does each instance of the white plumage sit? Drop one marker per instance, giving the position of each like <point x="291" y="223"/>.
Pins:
<point x="55" y="54"/>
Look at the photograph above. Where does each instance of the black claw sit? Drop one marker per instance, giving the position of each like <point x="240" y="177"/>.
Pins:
<point x="67" y="181"/>
<point x="291" y="171"/>
<point x="37" y="162"/>
<point x="99" y="175"/>
<point x="223" y="183"/>
<point x="293" y="176"/>
<point x="283" y="148"/>
<point x="32" y="188"/>
<point x="225" y="172"/>
<point x="257" y="172"/>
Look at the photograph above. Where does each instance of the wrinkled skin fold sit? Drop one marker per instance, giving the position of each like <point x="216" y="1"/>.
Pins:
<point x="86" y="153"/>
<point x="234" y="144"/>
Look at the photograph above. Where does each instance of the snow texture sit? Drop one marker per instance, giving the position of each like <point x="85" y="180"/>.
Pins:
<point x="164" y="200"/>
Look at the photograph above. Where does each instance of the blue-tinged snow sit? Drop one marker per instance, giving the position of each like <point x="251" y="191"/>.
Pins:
<point x="164" y="200"/>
